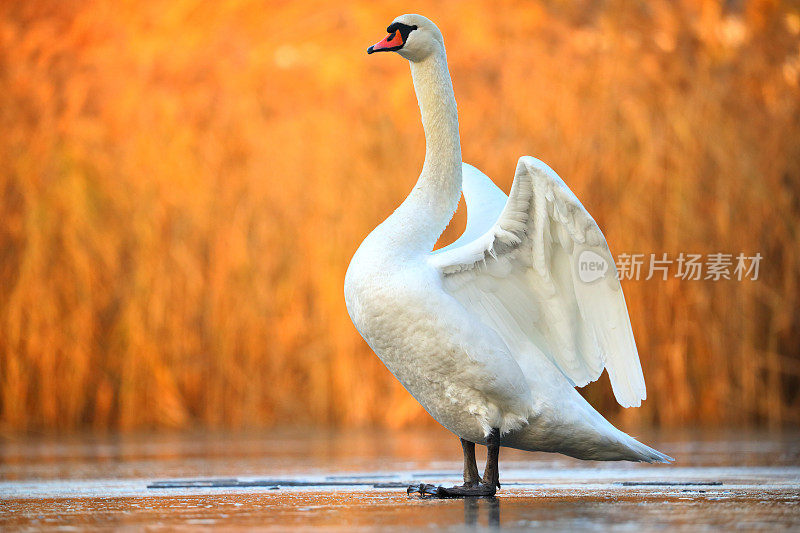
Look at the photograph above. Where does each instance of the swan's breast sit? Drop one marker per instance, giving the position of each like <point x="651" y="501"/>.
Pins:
<point x="387" y="302"/>
<point x="454" y="365"/>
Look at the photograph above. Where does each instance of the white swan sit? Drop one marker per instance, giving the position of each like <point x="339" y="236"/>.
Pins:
<point x="492" y="333"/>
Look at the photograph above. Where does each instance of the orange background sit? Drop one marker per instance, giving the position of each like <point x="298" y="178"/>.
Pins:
<point x="184" y="182"/>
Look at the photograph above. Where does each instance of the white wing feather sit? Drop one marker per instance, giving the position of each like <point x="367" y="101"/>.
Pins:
<point x="516" y="268"/>
<point x="485" y="201"/>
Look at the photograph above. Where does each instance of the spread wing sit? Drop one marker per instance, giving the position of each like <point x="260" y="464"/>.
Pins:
<point x="536" y="268"/>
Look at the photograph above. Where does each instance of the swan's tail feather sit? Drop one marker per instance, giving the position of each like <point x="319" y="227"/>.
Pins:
<point x="587" y="435"/>
<point x="644" y="453"/>
<point x="619" y="447"/>
<point x="615" y="447"/>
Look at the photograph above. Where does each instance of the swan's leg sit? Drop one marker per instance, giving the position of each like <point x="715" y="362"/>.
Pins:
<point x="491" y="475"/>
<point x="473" y="486"/>
<point x="471" y="477"/>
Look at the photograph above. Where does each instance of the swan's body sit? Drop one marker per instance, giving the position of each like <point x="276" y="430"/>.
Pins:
<point x="492" y="333"/>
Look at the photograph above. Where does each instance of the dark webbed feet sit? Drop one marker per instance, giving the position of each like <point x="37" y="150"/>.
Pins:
<point x="473" y="485"/>
<point x="459" y="491"/>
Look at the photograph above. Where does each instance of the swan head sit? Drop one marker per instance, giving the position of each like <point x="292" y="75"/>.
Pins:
<point x="412" y="36"/>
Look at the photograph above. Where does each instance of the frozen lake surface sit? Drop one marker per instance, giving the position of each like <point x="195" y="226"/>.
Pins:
<point x="356" y="480"/>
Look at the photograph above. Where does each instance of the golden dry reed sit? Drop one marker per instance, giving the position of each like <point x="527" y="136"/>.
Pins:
<point x="184" y="183"/>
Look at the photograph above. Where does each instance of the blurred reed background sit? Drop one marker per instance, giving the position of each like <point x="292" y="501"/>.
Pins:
<point x="184" y="183"/>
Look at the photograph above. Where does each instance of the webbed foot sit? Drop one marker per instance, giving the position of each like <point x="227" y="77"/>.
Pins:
<point x="459" y="491"/>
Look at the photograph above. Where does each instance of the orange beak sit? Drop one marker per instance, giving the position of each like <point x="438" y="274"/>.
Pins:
<point x="393" y="41"/>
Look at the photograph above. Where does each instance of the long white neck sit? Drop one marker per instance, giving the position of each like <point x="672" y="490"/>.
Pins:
<point x="427" y="210"/>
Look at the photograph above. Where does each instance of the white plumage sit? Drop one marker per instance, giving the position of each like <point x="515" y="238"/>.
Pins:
<point x="529" y="255"/>
<point x="497" y="329"/>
